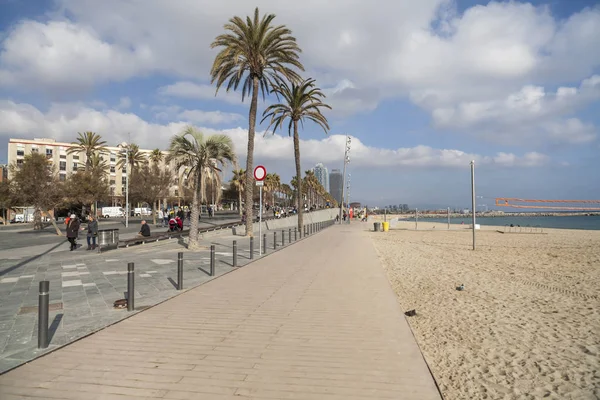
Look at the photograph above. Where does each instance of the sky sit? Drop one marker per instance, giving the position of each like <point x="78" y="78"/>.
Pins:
<point x="422" y="87"/>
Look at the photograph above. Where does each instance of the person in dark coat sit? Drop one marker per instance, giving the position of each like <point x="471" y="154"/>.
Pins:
<point x="73" y="231"/>
<point x="145" y="229"/>
<point x="92" y="232"/>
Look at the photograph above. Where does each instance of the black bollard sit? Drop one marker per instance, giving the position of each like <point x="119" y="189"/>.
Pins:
<point x="295" y="234"/>
<point x="274" y="240"/>
<point x="282" y="238"/>
<point x="43" y="310"/>
<point x="235" y="254"/>
<point x="212" y="260"/>
<point x="251" y="247"/>
<point x="290" y="236"/>
<point x="180" y="271"/>
<point x="130" y="287"/>
<point x="264" y="243"/>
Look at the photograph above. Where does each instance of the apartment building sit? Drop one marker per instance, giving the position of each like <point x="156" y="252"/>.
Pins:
<point x="322" y="175"/>
<point x="67" y="164"/>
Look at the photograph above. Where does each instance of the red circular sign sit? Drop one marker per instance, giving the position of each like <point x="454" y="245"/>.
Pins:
<point x="260" y="173"/>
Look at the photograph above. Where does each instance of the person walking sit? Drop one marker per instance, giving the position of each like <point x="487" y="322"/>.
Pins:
<point x="92" y="232"/>
<point x="73" y="231"/>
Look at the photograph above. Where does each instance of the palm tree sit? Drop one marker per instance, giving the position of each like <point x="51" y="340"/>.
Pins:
<point x="156" y="156"/>
<point x="195" y="153"/>
<point x="89" y="143"/>
<point x="97" y="165"/>
<point x="301" y="102"/>
<point x="254" y="53"/>
<point x="239" y="181"/>
<point x="287" y="191"/>
<point x="136" y="157"/>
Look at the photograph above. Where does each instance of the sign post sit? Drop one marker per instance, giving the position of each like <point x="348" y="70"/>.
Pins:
<point x="259" y="175"/>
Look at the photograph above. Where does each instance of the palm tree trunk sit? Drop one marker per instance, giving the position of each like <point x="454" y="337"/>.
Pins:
<point x="240" y="202"/>
<point x="298" y="177"/>
<point x="250" y="158"/>
<point x="193" y="238"/>
<point x="154" y="208"/>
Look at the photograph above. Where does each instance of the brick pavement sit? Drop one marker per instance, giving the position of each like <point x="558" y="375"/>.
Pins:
<point x="317" y="320"/>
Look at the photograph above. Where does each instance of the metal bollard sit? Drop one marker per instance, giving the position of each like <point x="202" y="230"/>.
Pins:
<point x="264" y="243"/>
<point x="251" y="247"/>
<point x="274" y="240"/>
<point x="180" y="271"/>
<point x="43" y="310"/>
<point x="282" y="238"/>
<point x="290" y="236"/>
<point x="295" y="234"/>
<point x="235" y="254"/>
<point x="130" y="286"/>
<point x="212" y="260"/>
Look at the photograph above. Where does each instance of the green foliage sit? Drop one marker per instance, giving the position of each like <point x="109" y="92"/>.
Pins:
<point x="149" y="184"/>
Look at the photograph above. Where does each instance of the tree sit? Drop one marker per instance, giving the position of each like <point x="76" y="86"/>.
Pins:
<point x="149" y="184"/>
<point x="89" y="143"/>
<point x="256" y="54"/>
<point x="301" y="102"/>
<point x="36" y="184"/>
<point x="194" y="153"/>
<point x="239" y="182"/>
<point x="136" y="157"/>
<point x="156" y="156"/>
<point x="84" y="188"/>
<point x="6" y="197"/>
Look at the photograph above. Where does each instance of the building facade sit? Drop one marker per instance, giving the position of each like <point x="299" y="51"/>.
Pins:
<point x="322" y="175"/>
<point x="335" y="185"/>
<point x="66" y="164"/>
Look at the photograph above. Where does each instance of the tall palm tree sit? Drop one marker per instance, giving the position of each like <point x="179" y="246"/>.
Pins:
<point x="136" y="157"/>
<point x="156" y="156"/>
<point x="239" y="181"/>
<point x="287" y="191"/>
<point x="97" y="165"/>
<point x="300" y="102"/>
<point x="195" y="153"/>
<point x="89" y="143"/>
<point x="255" y="53"/>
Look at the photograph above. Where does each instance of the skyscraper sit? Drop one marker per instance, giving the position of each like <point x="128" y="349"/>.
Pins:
<point x="335" y="184"/>
<point x="322" y="175"/>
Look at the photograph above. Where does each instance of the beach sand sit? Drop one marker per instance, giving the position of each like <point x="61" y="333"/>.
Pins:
<point x="527" y="324"/>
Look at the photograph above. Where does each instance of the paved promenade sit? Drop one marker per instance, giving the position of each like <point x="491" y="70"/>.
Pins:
<point x="317" y="320"/>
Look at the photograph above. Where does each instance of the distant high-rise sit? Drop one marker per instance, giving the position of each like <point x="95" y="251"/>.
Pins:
<point x="335" y="184"/>
<point x="322" y="175"/>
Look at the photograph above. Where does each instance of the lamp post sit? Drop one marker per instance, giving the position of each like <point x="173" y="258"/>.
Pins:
<point x="348" y="197"/>
<point x="346" y="161"/>
<point x="473" y="198"/>
<point x="125" y="146"/>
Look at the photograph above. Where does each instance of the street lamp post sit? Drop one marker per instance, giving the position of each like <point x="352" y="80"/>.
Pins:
<point x="346" y="161"/>
<point x="348" y="197"/>
<point x="473" y="198"/>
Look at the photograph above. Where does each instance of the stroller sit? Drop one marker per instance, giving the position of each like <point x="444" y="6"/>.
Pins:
<point x="173" y="225"/>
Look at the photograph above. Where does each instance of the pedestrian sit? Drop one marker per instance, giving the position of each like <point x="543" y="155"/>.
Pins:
<point x="179" y="223"/>
<point x="166" y="218"/>
<point x="161" y="217"/>
<point x="92" y="232"/>
<point x="145" y="229"/>
<point x="73" y="231"/>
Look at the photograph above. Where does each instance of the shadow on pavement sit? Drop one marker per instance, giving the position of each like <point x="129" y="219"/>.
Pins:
<point x="25" y="262"/>
<point x="54" y="326"/>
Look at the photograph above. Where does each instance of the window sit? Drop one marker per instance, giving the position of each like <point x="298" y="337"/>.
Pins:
<point x="20" y="152"/>
<point x="112" y="191"/>
<point x="113" y="158"/>
<point x="34" y="150"/>
<point x="19" y="163"/>
<point x="176" y="193"/>
<point x="74" y="166"/>
<point x="62" y="166"/>
<point x="112" y="182"/>
<point x="62" y="177"/>
<point x="124" y="180"/>
<point x="124" y="168"/>
<point x="48" y="153"/>
<point x="123" y="190"/>
<point x="112" y="168"/>
<point x="75" y="157"/>
<point x="63" y="156"/>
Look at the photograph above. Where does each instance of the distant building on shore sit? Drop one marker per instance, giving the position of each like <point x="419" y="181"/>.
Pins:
<point x="335" y="184"/>
<point x="322" y="175"/>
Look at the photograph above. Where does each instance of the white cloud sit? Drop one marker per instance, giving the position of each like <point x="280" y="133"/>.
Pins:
<point x="209" y="117"/>
<point x="124" y="103"/>
<point x="63" y="120"/>
<point x="191" y="90"/>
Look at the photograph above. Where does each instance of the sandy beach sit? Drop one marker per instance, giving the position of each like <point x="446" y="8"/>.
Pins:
<point x="527" y="324"/>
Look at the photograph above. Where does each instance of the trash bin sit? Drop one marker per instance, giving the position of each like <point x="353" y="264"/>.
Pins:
<point x="108" y="238"/>
<point x="386" y="226"/>
<point x="377" y="226"/>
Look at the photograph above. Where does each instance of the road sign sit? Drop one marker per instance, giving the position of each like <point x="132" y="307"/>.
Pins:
<point x="260" y="173"/>
<point x="260" y="183"/>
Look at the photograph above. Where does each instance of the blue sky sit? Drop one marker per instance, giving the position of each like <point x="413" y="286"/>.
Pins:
<point x="422" y="87"/>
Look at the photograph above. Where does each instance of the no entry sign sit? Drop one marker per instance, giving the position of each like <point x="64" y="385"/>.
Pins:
<point x="260" y="172"/>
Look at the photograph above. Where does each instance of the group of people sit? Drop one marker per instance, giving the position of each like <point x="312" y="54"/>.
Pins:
<point x="74" y="227"/>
